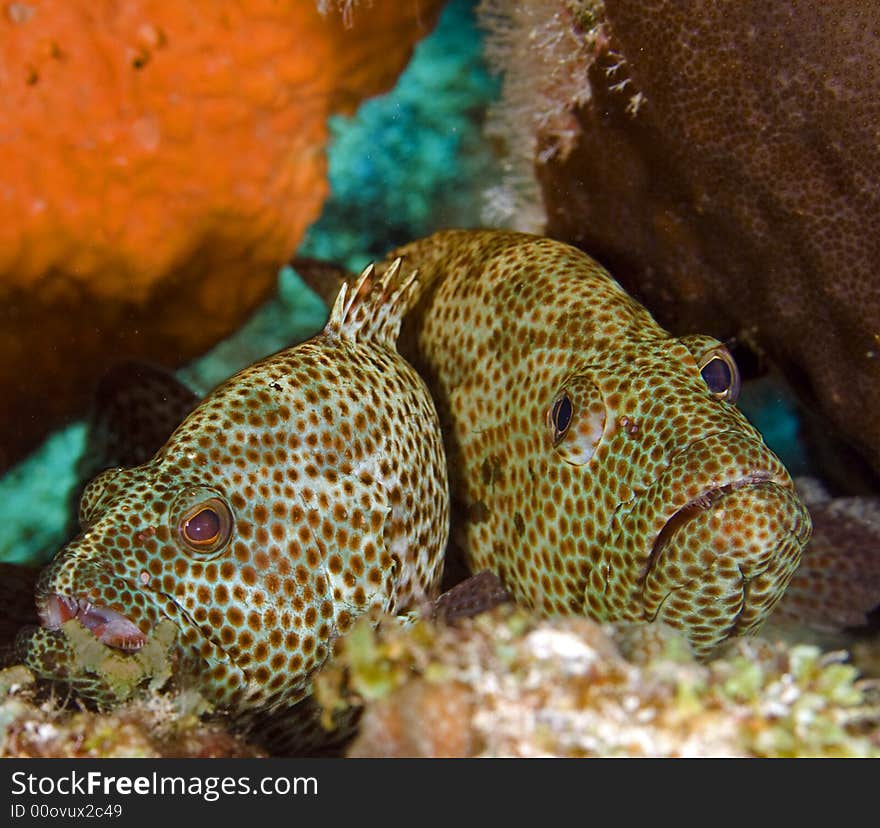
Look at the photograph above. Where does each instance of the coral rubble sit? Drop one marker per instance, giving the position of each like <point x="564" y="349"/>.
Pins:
<point x="33" y="726"/>
<point x="508" y="684"/>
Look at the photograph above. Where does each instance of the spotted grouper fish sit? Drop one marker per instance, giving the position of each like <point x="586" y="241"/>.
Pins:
<point x="598" y="465"/>
<point x="303" y="492"/>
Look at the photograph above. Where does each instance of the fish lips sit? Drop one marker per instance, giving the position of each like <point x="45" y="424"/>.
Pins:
<point x="67" y="590"/>
<point x="711" y="498"/>
<point x="703" y="477"/>
<point x="109" y="626"/>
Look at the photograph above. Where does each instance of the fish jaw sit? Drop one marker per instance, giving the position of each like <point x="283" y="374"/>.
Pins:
<point x="109" y="626"/>
<point x="50" y="655"/>
<point x="118" y="612"/>
<point x="713" y="594"/>
<point x="67" y="591"/>
<point x="120" y="615"/>
<point x="710" y="546"/>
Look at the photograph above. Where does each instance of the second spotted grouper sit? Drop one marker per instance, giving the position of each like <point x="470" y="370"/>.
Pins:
<point x="303" y="492"/>
<point x="598" y="465"/>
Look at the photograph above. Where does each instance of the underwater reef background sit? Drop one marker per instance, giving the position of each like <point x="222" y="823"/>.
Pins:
<point x="733" y="193"/>
<point x="407" y="163"/>
<point x="508" y="684"/>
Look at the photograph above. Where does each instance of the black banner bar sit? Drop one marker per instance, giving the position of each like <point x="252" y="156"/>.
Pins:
<point x="380" y="792"/>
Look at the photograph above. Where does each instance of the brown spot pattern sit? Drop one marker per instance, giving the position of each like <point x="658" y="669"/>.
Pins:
<point x="259" y="613"/>
<point x="660" y="502"/>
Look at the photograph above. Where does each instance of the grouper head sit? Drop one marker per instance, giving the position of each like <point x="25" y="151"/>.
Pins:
<point x="598" y="464"/>
<point x="305" y="491"/>
<point x="699" y="524"/>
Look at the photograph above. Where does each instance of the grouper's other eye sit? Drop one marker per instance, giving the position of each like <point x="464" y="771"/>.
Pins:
<point x="94" y="498"/>
<point x="203" y="522"/>
<point x="576" y="420"/>
<point x="206" y="527"/>
<point x="720" y="374"/>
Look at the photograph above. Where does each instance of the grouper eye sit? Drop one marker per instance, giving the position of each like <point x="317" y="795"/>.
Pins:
<point x="203" y="522"/>
<point x="206" y="527"/>
<point x="576" y="420"/>
<point x="720" y="374"/>
<point x="560" y="417"/>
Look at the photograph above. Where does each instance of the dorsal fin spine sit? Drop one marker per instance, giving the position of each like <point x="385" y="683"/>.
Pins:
<point x="373" y="309"/>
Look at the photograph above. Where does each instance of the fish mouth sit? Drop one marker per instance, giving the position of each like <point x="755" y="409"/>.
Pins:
<point x="109" y="627"/>
<point x="55" y="607"/>
<point x="703" y="502"/>
<point x="709" y="546"/>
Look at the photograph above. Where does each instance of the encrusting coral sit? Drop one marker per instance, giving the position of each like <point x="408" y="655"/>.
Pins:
<point x="507" y="684"/>
<point x="721" y="159"/>
<point x="161" y="161"/>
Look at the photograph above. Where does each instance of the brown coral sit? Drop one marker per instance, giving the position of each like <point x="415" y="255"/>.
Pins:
<point x="727" y="171"/>
<point x="838" y="582"/>
<point x="160" y="161"/>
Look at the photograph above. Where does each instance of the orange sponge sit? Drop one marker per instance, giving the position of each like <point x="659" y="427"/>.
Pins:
<point x="160" y="161"/>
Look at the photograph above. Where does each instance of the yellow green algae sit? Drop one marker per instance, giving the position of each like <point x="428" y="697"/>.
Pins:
<point x="39" y="719"/>
<point x="123" y="674"/>
<point x="509" y="684"/>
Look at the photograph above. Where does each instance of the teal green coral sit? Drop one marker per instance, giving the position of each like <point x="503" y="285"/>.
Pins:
<point x="35" y="498"/>
<point x="769" y="404"/>
<point x="414" y="160"/>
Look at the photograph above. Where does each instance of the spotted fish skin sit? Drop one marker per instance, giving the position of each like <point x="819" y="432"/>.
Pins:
<point x="303" y="492"/>
<point x="657" y="500"/>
